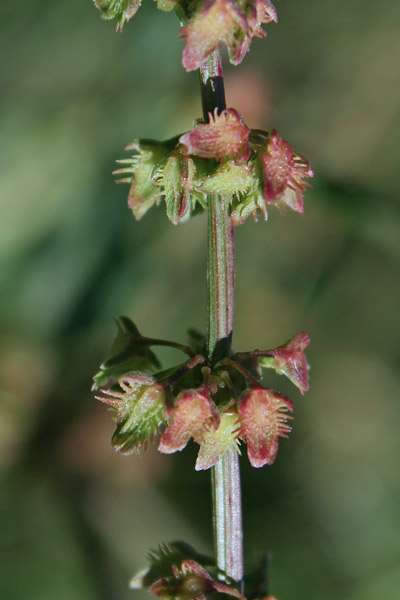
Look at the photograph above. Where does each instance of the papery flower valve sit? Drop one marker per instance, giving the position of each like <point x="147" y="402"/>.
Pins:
<point x="283" y="172"/>
<point x="192" y="415"/>
<point x="263" y="420"/>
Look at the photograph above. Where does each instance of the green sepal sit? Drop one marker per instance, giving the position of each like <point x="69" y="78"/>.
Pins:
<point x="249" y="206"/>
<point x="228" y="179"/>
<point x="175" y="176"/>
<point x="269" y="362"/>
<point x="127" y="354"/>
<point x="218" y="441"/>
<point x="256" y="583"/>
<point x="143" y="193"/>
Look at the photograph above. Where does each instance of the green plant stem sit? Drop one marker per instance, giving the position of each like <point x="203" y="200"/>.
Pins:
<point x="227" y="509"/>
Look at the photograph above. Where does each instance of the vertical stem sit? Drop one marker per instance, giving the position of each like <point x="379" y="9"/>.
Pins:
<point x="220" y="276"/>
<point x="227" y="507"/>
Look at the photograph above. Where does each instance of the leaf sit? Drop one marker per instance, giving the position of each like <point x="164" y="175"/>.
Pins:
<point x="129" y="353"/>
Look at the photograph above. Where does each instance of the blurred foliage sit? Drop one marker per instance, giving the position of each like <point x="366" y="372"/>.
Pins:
<point x="77" y="520"/>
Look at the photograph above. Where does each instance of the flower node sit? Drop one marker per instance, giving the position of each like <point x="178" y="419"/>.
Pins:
<point x="229" y="406"/>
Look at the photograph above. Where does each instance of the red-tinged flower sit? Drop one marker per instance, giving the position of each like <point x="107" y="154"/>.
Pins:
<point x="190" y="582"/>
<point x="224" y="137"/>
<point x="264" y="12"/>
<point x="193" y="414"/>
<point x="263" y="420"/>
<point x="259" y="12"/>
<point x="290" y="360"/>
<point x="219" y="21"/>
<point x="283" y="173"/>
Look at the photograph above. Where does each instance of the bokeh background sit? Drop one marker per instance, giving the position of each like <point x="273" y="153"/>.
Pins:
<point x="76" y="519"/>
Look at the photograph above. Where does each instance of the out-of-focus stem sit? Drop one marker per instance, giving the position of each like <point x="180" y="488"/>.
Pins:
<point x="220" y="276"/>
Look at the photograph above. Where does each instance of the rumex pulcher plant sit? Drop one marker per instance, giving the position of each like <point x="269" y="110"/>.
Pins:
<point x="215" y="396"/>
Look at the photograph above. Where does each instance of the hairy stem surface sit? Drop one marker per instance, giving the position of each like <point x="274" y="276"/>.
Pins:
<point x="227" y="510"/>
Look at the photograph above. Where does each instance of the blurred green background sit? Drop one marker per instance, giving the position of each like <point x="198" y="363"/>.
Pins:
<point x="76" y="519"/>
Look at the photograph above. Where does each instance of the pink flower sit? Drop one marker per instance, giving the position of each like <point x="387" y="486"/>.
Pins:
<point x="219" y="21"/>
<point x="224" y="137"/>
<point x="263" y="420"/>
<point x="259" y="12"/>
<point x="283" y="172"/>
<point x="291" y="361"/>
<point x="193" y="414"/>
<point x="264" y="12"/>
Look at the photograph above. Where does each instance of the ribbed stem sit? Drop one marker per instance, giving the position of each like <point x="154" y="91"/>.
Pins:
<point x="220" y="276"/>
<point x="228" y="515"/>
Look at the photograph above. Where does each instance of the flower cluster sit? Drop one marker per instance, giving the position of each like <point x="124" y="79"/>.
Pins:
<point x="227" y="22"/>
<point x="177" y="572"/>
<point x="217" y="405"/>
<point x="209" y="23"/>
<point x="253" y="168"/>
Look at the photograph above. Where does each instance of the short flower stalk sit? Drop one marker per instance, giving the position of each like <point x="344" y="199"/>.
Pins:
<point x="216" y="397"/>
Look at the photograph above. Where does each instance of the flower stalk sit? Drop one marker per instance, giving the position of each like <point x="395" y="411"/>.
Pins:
<point x="227" y="509"/>
<point x="216" y="398"/>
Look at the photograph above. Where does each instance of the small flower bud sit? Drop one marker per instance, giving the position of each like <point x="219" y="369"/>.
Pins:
<point x="247" y="206"/>
<point x="290" y="360"/>
<point x="166" y="5"/>
<point x="263" y="420"/>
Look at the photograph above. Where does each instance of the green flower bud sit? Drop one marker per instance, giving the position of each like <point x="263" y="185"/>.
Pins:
<point x="165" y="5"/>
<point x="175" y="176"/>
<point x="122" y="9"/>
<point x="140" y="169"/>
<point x="140" y="411"/>
<point x="229" y="179"/>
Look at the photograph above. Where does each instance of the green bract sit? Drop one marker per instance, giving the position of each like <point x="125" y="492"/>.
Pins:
<point x="128" y="353"/>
